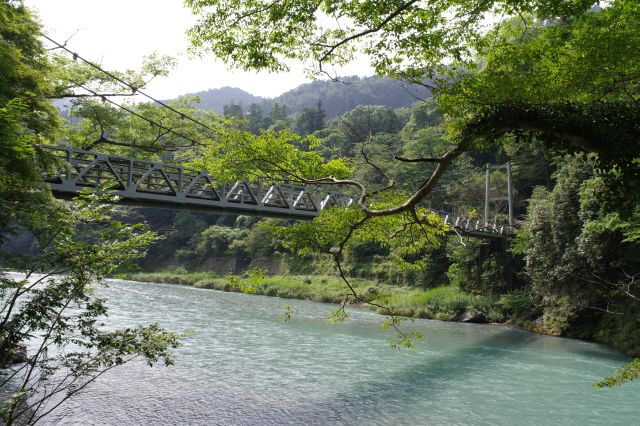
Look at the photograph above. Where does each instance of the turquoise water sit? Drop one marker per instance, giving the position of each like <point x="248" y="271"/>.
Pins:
<point x="245" y="366"/>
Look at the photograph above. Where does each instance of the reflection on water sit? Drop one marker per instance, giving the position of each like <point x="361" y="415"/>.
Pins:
<point x="245" y="366"/>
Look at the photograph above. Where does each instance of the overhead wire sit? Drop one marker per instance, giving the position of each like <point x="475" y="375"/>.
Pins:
<point x="469" y="177"/>
<point x="132" y="112"/>
<point x="134" y="89"/>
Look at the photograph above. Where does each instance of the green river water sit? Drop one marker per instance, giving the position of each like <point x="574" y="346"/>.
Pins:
<point x="243" y="365"/>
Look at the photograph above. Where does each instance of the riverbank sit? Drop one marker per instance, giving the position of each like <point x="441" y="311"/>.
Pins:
<point x="445" y="303"/>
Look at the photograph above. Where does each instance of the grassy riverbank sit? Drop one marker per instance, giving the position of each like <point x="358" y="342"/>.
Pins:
<point x="447" y="303"/>
<point x="444" y="303"/>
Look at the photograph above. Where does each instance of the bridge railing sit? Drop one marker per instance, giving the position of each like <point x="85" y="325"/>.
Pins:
<point x="144" y="182"/>
<point x="155" y="182"/>
<point x="475" y="224"/>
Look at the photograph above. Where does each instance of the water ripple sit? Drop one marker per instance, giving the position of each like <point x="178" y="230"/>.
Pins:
<point x="245" y="366"/>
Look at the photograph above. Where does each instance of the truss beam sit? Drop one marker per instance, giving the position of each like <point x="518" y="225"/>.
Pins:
<point x="149" y="183"/>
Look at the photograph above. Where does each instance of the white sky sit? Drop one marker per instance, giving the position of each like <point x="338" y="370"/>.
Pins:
<point x="118" y="33"/>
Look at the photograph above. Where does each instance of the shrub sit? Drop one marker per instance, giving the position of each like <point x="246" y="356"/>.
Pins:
<point x="558" y="315"/>
<point x="257" y="275"/>
<point x="517" y="303"/>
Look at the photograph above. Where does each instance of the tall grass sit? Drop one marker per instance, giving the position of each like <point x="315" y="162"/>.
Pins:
<point x="445" y="303"/>
<point x="172" y="277"/>
<point x="311" y="287"/>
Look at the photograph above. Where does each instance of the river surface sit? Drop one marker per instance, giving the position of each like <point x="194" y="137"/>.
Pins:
<point x="245" y="366"/>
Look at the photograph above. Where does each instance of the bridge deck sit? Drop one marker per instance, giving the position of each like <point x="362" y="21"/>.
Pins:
<point x="149" y="183"/>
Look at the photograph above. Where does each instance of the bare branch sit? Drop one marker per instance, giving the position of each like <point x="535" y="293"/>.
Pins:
<point x="373" y="30"/>
<point x="417" y="160"/>
<point x="66" y="41"/>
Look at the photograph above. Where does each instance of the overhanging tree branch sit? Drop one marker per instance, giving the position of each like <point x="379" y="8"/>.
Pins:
<point x="385" y="21"/>
<point x="417" y="160"/>
<point x="425" y="188"/>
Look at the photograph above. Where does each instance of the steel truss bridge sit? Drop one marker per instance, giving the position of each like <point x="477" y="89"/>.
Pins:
<point x="149" y="183"/>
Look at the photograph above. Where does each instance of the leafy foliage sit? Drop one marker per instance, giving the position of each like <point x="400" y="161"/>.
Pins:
<point x="26" y="119"/>
<point x="627" y="373"/>
<point x="518" y="302"/>
<point x="548" y="76"/>
<point x="401" y="37"/>
<point x="570" y="83"/>
<point x="276" y="156"/>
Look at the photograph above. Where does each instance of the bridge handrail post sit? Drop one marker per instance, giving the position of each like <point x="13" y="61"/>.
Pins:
<point x="487" y="192"/>
<point x="510" y="193"/>
<point x="180" y="185"/>
<point x="69" y="164"/>
<point x="129" y="174"/>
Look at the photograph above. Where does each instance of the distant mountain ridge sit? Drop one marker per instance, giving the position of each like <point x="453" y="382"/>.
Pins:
<point x="336" y="97"/>
<point x="216" y="99"/>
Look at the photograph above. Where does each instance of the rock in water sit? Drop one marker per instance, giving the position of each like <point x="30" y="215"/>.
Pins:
<point x="18" y="355"/>
<point x="475" y="317"/>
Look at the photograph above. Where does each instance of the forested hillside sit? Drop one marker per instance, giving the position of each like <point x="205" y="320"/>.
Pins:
<point x="336" y="98"/>
<point x="571" y="270"/>
<point x="216" y="99"/>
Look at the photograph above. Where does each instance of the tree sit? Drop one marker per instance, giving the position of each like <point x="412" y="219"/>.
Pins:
<point x="369" y="119"/>
<point x="570" y="83"/>
<point x="278" y="112"/>
<point x="215" y="240"/>
<point x="75" y="246"/>
<point x="52" y="304"/>
<point x="26" y="118"/>
<point x="279" y="117"/>
<point x="582" y="262"/>
<point x="233" y="111"/>
<point x="260" y="241"/>
<point x="310" y="120"/>
<point x="255" y="120"/>
<point x="402" y="38"/>
<point x="512" y="88"/>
